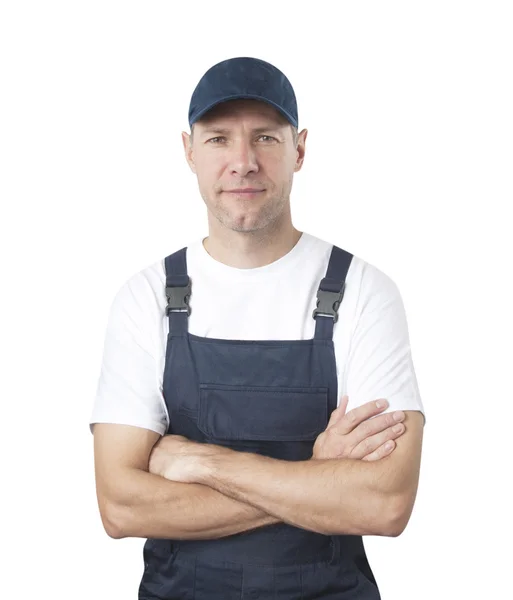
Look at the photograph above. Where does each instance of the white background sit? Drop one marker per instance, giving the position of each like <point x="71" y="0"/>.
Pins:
<point x="409" y="166"/>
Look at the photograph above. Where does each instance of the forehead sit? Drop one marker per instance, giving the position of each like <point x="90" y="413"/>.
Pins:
<point x="232" y="111"/>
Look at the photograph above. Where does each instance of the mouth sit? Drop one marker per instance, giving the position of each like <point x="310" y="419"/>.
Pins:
<point x="243" y="190"/>
<point x="246" y="192"/>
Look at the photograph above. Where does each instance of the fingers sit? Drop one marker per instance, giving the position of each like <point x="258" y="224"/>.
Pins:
<point x="354" y="417"/>
<point x="381" y="452"/>
<point x="379" y="445"/>
<point x="376" y="425"/>
<point x="363" y="433"/>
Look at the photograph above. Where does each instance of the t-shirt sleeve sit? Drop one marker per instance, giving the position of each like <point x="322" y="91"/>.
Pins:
<point x="128" y="390"/>
<point x="380" y="363"/>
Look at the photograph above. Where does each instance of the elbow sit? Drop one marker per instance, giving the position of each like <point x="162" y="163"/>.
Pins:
<point x="112" y="522"/>
<point x="113" y="531"/>
<point x="398" y="511"/>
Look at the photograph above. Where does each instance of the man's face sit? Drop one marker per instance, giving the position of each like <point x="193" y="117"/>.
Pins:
<point x="244" y="155"/>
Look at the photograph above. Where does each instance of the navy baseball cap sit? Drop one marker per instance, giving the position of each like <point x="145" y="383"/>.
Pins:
<point x="243" y="77"/>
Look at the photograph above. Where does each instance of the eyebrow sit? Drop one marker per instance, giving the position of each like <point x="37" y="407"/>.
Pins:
<point x="224" y="131"/>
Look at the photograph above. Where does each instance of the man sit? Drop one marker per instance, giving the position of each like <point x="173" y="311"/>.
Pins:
<point x="237" y="350"/>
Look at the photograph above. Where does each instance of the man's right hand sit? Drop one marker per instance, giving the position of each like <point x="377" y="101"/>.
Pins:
<point x="356" y="435"/>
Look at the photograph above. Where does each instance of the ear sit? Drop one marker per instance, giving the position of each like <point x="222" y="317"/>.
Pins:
<point x="187" y="146"/>
<point x="300" y="150"/>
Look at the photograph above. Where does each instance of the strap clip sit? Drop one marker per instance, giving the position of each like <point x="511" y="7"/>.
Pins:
<point x="328" y="304"/>
<point x="178" y="299"/>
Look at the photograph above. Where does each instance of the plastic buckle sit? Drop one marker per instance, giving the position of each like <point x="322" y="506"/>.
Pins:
<point x="328" y="304"/>
<point x="178" y="299"/>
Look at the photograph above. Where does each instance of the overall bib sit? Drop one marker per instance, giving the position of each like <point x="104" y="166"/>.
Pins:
<point x="267" y="397"/>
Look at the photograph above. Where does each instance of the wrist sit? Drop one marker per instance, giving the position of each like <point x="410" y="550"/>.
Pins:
<point x="210" y="463"/>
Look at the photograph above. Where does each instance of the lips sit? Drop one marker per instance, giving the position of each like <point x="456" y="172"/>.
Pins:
<point x="244" y="191"/>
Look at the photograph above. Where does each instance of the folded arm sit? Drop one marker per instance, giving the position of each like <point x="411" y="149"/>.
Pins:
<point x="136" y="503"/>
<point x="333" y="496"/>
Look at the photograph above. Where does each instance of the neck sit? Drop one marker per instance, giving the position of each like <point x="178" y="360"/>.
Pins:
<point x="252" y="249"/>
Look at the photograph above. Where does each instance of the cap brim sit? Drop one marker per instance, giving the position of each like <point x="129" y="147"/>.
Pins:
<point x="248" y="97"/>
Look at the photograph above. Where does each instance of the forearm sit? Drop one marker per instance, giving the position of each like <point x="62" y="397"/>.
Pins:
<point x="150" y="506"/>
<point x="337" y="496"/>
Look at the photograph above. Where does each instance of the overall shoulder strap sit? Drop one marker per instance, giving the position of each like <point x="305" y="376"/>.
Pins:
<point x="178" y="291"/>
<point x="330" y="293"/>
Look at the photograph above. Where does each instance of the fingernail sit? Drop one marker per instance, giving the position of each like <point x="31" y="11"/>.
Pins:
<point x="389" y="445"/>
<point x="398" y="415"/>
<point x="381" y="403"/>
<point x="397" y="428"/>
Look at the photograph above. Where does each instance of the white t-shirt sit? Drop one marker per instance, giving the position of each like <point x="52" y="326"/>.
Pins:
<point x="273" y="302"/>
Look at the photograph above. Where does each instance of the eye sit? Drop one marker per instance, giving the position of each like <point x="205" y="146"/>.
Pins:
<point x="269" y="138"/>
<point x="214" y="140"/>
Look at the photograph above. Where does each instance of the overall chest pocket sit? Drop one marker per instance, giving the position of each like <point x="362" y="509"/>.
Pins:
<point x="262" y="414"/>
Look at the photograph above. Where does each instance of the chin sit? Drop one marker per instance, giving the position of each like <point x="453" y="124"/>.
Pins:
<point x="245" y="219"/>
<point x="244" y="226"/>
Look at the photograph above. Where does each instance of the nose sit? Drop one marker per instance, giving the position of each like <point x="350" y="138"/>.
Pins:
<point x="243" y="158"/>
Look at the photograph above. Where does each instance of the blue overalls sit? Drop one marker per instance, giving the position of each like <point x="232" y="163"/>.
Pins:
<point x="267" y="397"/>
